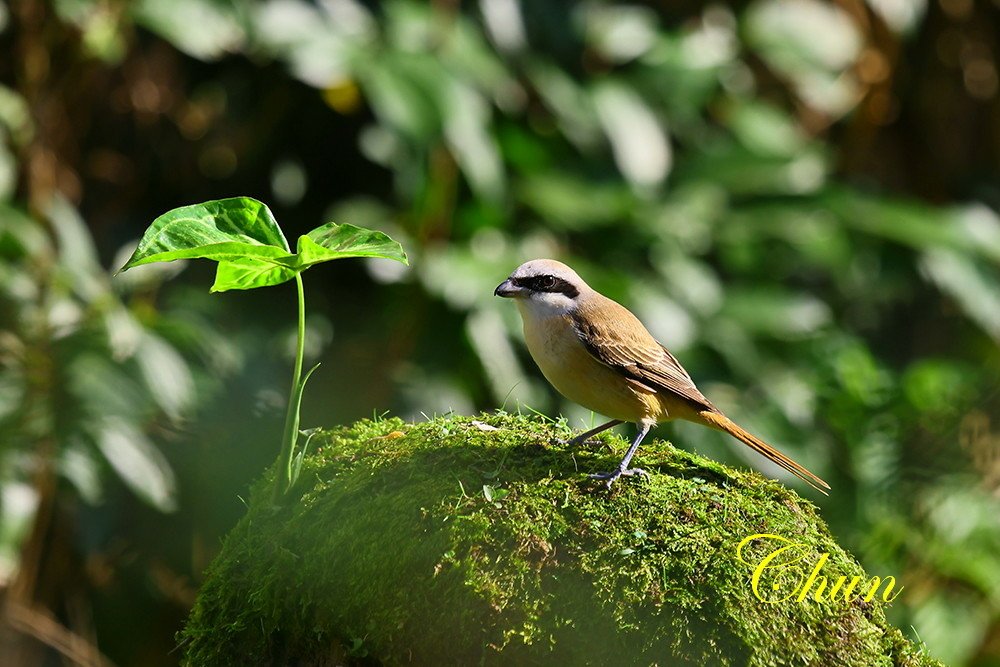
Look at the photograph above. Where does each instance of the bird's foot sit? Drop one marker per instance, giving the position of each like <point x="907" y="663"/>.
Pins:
<point x="610" y="477"/>
<point x="575" y="441"/>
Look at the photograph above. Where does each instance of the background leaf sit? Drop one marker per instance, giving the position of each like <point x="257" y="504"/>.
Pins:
<point x="138" y="462"/>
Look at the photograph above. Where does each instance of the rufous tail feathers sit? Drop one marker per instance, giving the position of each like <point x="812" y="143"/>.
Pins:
<point x="724" y="423"/>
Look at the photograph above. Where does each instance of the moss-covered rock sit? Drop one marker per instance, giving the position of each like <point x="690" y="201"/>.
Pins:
<point x="481" y="541"/>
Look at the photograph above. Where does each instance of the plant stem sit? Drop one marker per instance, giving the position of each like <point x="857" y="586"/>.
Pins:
<point x="292" y="416"/>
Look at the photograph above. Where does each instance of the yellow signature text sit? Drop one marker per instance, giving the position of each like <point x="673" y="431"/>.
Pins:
<point x="781" y="575"/>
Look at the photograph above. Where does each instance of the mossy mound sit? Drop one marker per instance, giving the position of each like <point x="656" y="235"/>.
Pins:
<point x="477" y="541"/>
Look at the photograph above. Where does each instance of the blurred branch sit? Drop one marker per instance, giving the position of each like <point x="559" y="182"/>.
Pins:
<point x="39" y="625"/>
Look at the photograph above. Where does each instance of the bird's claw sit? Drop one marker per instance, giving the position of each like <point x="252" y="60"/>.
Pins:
<point x="573" y="442"/>
<point x="610" y="477"/>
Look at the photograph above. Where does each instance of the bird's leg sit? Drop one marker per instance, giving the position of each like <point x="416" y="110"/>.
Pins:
<point x="623" y="468"/>
<point x="584" y="437"/>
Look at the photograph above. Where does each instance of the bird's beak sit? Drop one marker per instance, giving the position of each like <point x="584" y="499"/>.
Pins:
<point x="506" y="289"/>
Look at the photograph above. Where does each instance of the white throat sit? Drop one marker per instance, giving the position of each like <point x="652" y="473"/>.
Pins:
<point x="543" y="305"/>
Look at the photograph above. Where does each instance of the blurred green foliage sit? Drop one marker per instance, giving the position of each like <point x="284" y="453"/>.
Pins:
<point x="796" y="197"/>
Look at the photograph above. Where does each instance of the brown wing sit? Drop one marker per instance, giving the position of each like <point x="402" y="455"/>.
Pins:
<point x="616" y="338"/>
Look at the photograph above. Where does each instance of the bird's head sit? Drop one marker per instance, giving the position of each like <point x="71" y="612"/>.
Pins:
<point x="543" y="285"/>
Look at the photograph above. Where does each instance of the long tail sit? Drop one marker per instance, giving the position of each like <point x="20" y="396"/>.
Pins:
<point x="724" y="423"/>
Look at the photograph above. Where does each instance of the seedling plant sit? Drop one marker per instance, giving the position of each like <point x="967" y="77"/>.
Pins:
<point x="242" y="236"/>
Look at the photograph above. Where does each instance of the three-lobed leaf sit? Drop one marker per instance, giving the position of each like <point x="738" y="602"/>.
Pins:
<point x="242" y="235"/>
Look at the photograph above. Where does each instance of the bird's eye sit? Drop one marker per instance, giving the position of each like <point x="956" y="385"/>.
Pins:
<point x="546" y="282"/>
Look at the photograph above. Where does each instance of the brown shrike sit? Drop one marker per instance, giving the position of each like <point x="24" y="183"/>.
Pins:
<point x="598" y="354"/>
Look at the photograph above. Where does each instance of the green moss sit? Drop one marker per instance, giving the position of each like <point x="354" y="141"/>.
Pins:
<point x="395" y="553"/>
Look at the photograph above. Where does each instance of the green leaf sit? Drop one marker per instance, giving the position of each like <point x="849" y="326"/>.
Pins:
<point x="401" y="89"/>
<point x="250" y="272"/>
<point x="204" y="30"/>
<point x="166" y="374"/>
<point x="300" y="457"/>
<point x="223" y="230"/>
<point x="776" y="312"/>
<point x="574" y="202"/>
<point x="243" y="237"/>
<point x="295" y="407"/>
<point x="765" y="129"/>
<point x="974" y="285"/>
<point x="913" y="224"/>
<point x="137" y="461"/>
<point x="333" y="241"/>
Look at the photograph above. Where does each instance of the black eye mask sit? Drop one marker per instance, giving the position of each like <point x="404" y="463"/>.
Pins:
<point x="547" y="283"/>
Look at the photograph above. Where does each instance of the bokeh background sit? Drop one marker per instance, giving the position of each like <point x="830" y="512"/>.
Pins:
<point x="798" y="197"/>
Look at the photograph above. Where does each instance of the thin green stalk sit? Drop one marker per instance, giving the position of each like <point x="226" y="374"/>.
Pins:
<point x="292" y="416"/>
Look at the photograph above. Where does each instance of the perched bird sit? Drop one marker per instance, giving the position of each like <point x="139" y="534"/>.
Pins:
<point x="595" y="352"/>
